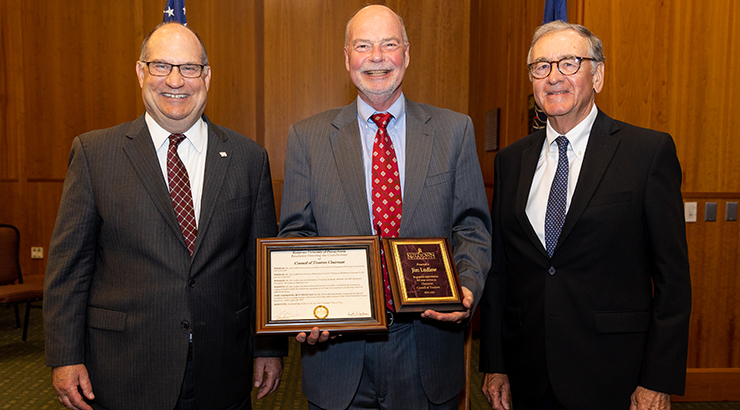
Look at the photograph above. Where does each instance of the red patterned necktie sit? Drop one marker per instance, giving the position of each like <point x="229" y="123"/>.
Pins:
<point x="387" y="204"/>
<point x="182" y="198"/>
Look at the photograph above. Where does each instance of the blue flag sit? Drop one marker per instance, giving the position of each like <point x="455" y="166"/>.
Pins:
<point x="555" y="10"/>
<point x="174" y="10"/>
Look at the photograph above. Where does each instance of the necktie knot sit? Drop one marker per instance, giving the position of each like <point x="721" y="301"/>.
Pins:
<point x="562" y="142"/>
<point x="176" y="139"/>
<point x="382" y="119"/>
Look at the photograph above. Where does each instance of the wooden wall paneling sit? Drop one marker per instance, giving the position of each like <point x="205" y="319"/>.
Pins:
<point x="304" y="71"/>
<point x="78" y="76"/>
<point x="626" y="29"/>
<point x="439" y="38"/>
<point x="8" y="107"/>
<point x="501" y="35"/>
<point x="714" y="253"/>
<point x="229" y="30"/>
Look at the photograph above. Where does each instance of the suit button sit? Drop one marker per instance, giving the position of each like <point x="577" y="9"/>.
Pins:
<point x="191" y="283"/>
<point x="185" y="325"/>
<point x="551" y="271"/>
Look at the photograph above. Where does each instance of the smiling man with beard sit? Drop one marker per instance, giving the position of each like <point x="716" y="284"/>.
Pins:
<point x="436" y="190"/>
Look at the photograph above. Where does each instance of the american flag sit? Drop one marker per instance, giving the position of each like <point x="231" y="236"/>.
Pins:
<point x="174" y="10"/>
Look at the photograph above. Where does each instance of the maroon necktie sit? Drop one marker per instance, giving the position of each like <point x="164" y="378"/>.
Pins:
<point x="182" y="198"/>
<point x="386" y="192"/>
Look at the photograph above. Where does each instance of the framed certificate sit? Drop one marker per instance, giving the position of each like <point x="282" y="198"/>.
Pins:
<point x="422" y="275"/>
<point x="334" y="283"/>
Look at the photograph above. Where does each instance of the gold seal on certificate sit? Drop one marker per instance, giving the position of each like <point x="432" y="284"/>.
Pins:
<point x="422" y="275"/>
<point x="333" y="283"/>
<point x="320" y="312"/>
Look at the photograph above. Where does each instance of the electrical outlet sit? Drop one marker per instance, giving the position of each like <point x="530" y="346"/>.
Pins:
<point x="37" y="252"/>
<point x="689" y="210"/>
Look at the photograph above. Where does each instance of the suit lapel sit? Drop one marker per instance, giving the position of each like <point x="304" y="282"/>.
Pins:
<point x="347" y="151"/>
<point x="217" y="165"/>
<point x="419" y="142"/>
<point x="602" y="144"/>
<point x="529" y="159"/>
<point x="143" y="157"/>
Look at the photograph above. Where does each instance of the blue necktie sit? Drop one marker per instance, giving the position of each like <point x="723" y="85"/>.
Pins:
<point x="555" y="214"/>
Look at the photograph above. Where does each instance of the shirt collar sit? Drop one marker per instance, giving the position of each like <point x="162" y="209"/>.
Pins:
<point x="197" y="134"/>
<point x="578" y="136"/>
<point x="398" y="109"/>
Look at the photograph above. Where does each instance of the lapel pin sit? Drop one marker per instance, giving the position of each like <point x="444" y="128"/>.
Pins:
<point x="223" y="154"/>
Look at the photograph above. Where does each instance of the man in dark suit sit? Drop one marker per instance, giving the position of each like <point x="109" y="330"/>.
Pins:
<point x="328" y="191"/>
<point x="149" y="291"/>
<point x="588" y="299"/>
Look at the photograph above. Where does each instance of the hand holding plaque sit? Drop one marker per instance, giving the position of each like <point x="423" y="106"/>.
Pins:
<point x="422" y="275"/>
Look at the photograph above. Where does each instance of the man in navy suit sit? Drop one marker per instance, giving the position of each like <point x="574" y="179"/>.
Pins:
<point x="588" y="300"/>
<point x="327" y="192"/>
<point x="141" y="310"/>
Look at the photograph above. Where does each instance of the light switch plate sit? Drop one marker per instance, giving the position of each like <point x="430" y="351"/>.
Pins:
<point x="689" y="210"/>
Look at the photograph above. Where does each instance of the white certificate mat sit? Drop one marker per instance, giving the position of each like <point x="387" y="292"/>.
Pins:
<point x="319" y="284"/>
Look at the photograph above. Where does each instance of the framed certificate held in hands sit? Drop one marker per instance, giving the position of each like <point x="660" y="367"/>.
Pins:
<point x="334" y="283"/>
<point x="422" y="275"/>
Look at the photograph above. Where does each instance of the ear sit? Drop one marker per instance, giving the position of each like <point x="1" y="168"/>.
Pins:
<point x="346" y="58"/>
<point x="141" y="72"/>
<point x="598" y="77"/>
<point x="207" y="79"/>
<point x="406" y="55"/>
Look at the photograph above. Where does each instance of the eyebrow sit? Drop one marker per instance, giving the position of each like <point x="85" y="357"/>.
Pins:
<point x="544" y="60"/>
<point x="384" y="40"/>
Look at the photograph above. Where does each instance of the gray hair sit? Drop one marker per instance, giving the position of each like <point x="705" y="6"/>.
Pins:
<point x="403" y="27"/>
<point x="595" y="46"/>
<point x="144" y="55"/>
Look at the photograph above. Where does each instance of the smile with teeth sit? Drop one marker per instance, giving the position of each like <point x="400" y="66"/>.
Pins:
<point x="374" y="73"/>
<point x="557" y="92"/>
<point x="179" y="96"/>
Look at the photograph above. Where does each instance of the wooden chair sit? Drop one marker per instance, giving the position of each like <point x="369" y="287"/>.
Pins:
<point x="12" y="289"/>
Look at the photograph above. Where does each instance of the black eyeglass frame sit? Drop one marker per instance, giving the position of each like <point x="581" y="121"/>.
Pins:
<point x="149" y="69"/>
<point x="579" y="60"/>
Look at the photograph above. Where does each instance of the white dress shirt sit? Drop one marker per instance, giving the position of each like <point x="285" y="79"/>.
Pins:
<point x="548" y="163"/>
<point x="192" y="151"/>
<point x="396" y="130"/>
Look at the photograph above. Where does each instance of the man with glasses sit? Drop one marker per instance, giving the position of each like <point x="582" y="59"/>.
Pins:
<point x="588" y="299"/>
<point x="149" y="293"/>
<point x="385" y="165"/>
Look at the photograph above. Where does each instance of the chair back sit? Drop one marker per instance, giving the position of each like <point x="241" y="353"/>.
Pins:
<point x="10" y="268"/>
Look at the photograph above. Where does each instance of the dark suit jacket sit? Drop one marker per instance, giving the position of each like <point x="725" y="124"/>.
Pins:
<point x="122" y="295"/>
<point x="587" y="319"/>
<point x="444" y="196"/>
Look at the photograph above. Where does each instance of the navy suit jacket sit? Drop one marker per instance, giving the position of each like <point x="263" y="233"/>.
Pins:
<point x="610" y="310"/>
<point x="122" y="294"/>
<point x="444" y="196"/>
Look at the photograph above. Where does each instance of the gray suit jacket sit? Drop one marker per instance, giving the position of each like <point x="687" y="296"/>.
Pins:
<point x="444" y="196"/>
<point x="122" y="295"/>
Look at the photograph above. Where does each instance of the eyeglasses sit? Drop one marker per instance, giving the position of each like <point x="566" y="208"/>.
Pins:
<point x="566" y="66"/>
<point x="159" y="69"/>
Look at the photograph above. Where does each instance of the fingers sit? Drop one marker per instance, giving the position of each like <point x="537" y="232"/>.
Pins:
<point x="456" y="317"/>
<point x="315" y="336"/>
<point x="68" y="381"/>
<point x="272" y="367"/>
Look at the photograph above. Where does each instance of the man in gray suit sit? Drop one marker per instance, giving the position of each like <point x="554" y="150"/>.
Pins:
<point x="150" y="282"/>
<point x="328" y="191"/>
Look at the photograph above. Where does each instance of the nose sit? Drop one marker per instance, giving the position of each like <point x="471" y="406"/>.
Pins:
<point x="555" y="75"/>
<point x="175" y="79"/>
<point x="377" y="53"/>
